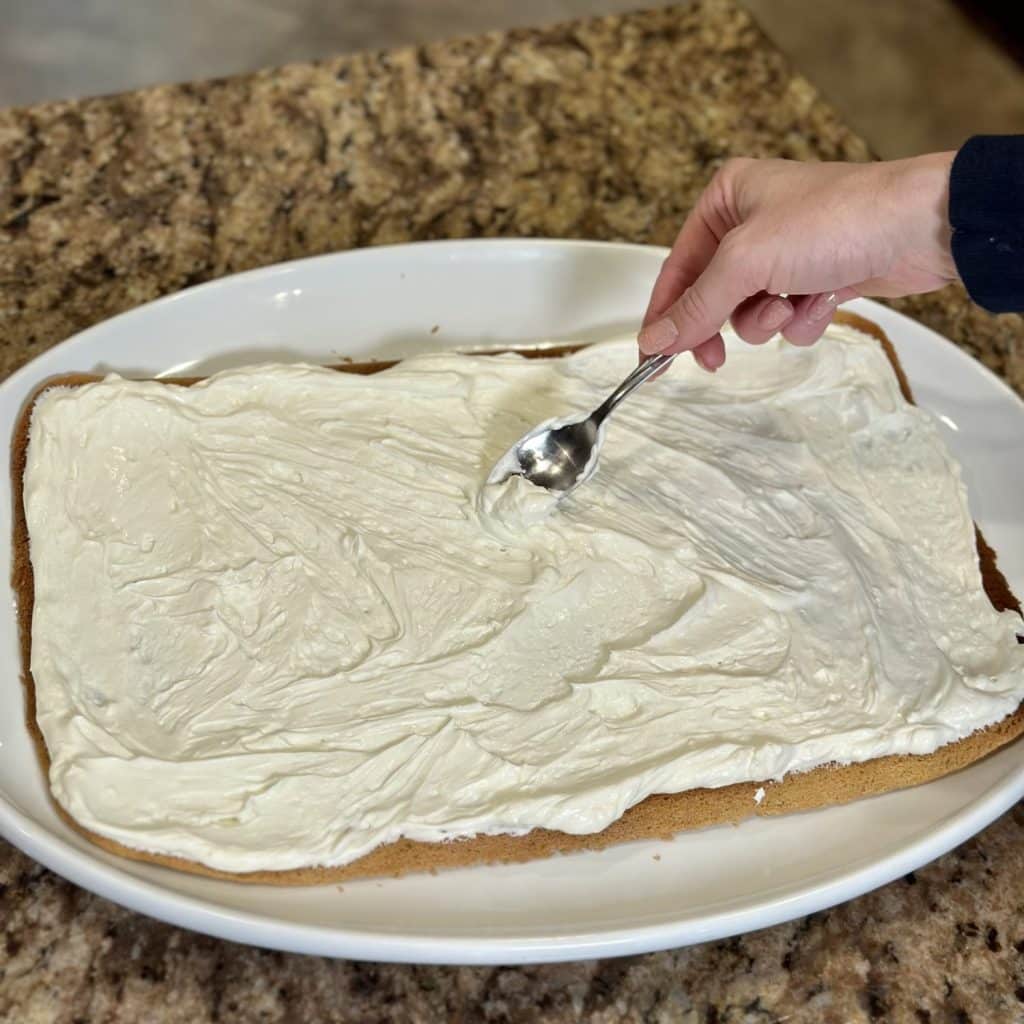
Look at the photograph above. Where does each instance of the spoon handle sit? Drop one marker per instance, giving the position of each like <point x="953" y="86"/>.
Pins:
<point x="643" y="372"/>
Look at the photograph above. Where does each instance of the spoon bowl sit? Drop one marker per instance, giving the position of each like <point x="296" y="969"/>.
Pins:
<point x="559" y="458"/>
<point x="562" y="454"/>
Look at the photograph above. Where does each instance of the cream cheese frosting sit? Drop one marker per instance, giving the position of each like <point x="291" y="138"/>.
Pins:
<point x="278" y="623"/>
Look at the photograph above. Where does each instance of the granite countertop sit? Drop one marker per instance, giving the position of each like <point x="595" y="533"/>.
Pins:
<point x="601" y="129"/>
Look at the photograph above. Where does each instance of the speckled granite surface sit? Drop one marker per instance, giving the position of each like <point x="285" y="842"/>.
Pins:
<point x="604" y="129"/>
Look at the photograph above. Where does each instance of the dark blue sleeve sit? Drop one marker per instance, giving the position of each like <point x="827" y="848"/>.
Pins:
<point x="986" y="210"/>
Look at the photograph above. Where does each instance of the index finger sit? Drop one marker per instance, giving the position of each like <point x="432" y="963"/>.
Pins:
<point x="692" y="251"/>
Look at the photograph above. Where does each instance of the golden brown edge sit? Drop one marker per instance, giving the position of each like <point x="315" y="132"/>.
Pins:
<point x="660" y="816"/>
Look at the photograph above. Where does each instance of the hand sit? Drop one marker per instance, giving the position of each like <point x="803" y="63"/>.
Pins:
<point x="818" y="234"/>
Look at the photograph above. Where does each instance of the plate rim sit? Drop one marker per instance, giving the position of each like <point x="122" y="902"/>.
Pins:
<point x="119" y="885"/>
<point x="271" y="270"/>
<point x="194" y="914"/>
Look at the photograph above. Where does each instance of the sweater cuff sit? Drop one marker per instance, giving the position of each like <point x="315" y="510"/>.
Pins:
<point x="986" y="211"/>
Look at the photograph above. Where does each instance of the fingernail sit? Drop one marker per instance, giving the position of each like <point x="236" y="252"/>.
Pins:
<point x="658" y="336"/>
<point x="821" y="308"/>
<point x="774" y="314"/>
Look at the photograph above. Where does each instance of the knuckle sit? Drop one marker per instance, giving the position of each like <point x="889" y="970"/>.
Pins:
<point x="750" y="333"/>
<point x="730" y="176"/>
<point x="716" y="195"/>
<point x="735" y="165"/>
<point x="735" y="247"/>
<point x="802" y="336"/>
<point x="692" y="306"/>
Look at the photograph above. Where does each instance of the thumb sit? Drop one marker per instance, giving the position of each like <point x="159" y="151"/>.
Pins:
<point x="699" y="313"/>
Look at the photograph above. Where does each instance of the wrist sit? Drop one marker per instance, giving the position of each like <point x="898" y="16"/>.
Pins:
<point x="919" y="189"/>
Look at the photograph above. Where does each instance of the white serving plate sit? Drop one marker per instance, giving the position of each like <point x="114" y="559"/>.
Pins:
<point x="630" y="899"/>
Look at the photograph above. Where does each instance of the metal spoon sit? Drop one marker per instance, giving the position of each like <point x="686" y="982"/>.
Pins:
<point x="560" y="455"/>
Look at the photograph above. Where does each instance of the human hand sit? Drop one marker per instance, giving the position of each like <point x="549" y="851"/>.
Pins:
<point x="817" y="233"/>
